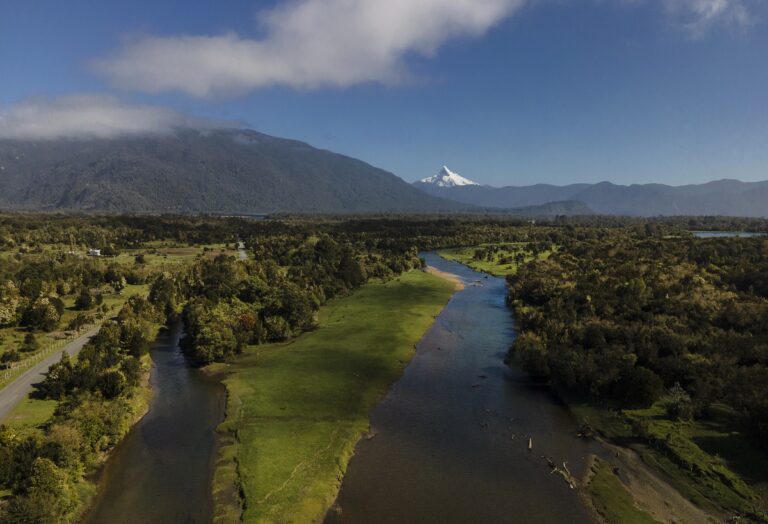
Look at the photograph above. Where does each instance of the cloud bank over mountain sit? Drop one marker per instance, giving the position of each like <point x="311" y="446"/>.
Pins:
<point x="93" y="116"/>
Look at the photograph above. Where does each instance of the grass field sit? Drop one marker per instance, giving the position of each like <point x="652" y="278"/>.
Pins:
<point x="29" y="415"/>
<point x="499" y="259"/>
<point x="297" y="409"/>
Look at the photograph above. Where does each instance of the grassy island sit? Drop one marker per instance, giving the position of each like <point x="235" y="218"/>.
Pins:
<point x="298" y="408"/>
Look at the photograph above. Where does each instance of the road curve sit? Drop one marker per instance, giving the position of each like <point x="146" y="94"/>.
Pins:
<point x="14" y="392"/>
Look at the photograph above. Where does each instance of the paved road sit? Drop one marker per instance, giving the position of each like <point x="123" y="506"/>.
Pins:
<point x="14" y="392"/>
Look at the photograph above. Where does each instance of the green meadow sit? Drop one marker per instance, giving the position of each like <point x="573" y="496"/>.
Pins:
<point x="496" y="259"/>
<point x="295" y="410"/>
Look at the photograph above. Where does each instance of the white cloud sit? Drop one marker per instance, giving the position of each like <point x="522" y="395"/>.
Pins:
<point x="307" y="44"/>
<point x="697" y="16"/>
<point x="91" y="116"/>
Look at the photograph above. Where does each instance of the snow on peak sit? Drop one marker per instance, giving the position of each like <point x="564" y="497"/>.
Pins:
<point x="447" y="178"/>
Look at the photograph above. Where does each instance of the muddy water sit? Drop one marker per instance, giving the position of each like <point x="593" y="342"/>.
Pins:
<point x="161" y="472"/>
<point x="452" y="435"/>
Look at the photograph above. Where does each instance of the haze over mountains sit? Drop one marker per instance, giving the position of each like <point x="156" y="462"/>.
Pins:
<point x="722" y="197"/>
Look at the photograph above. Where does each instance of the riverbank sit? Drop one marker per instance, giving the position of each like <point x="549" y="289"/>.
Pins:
<point x="173" y="445"/>
<point x="636" y="482"/>
<point x="458" y="285"/>
<point x="696" y="471"/>
<point x="296" y="410"/>
<point x="699" y="471"/>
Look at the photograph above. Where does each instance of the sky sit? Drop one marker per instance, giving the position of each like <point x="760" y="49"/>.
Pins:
<point x="505" y="92"/>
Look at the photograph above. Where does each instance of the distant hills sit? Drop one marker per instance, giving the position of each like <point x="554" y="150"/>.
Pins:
<point x="722" y="197"/>
<point x="226" y="170"/>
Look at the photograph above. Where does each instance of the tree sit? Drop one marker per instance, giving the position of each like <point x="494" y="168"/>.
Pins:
<point x="352" y="271"/>
<point x="49" y="499"/>
<point x="530" y="349"/>
<point x="41" y="315"/>
<point x="679" y="406"/>
<point x="84" y="300"/>
<point x="58" y="380"/>
<point x="112" y="383"/>
<point x="30" y="343"/>
<point x="10" y="302"/>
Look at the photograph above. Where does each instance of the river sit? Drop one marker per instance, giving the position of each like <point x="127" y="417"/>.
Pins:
<point x="451" y="442"/>
<point x="452" y="435"/>
<point x="726" y="234"/>
<point x="161" y="472"/>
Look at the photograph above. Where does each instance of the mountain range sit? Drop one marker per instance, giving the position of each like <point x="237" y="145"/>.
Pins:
<point x="722" y="197"/>
<point x="190" y="171"/>
<point x="243" y="171"/>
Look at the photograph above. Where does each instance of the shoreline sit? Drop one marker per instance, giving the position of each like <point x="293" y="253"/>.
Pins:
<point x="635" y="490"/>
<point x="458" y="284"/>
<point x="230" y="481"/>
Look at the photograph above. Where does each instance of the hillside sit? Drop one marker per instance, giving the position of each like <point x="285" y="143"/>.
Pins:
<point x="722" y="197"/>
<point x="193" y="171"/>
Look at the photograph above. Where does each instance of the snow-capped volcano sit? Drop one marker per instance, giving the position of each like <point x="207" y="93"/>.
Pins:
<point x="447" y="178"/>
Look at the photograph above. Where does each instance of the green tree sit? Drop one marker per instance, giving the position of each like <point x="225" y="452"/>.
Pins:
<point x="30" y="343"/>
<point x="85" y="300"/>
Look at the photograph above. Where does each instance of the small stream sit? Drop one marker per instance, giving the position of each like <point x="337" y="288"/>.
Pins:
<point x="161" y="472"/>
<point x="452" y="435"/>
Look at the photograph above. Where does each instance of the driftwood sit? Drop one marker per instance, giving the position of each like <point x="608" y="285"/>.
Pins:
<point x="563" y="471"/>
<point x="586" y="431"/>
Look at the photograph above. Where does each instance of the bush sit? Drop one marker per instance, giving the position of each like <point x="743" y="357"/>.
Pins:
<point x="84" y="300"/>
<point x="30" y="343"/>
<point x="640" y="387"/>
<point x="8" y="357"/>
<point x="679" y="406"/>
<point x="42" y="315"/>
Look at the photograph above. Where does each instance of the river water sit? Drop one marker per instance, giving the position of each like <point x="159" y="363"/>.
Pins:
<point x="452" y="435"/>
<point x="161" y="472"/>
<point x="726" y="234"/>
<point x="451" y="440"/>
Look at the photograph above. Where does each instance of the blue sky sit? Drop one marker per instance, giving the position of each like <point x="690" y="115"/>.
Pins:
<point x="505" y="92"/>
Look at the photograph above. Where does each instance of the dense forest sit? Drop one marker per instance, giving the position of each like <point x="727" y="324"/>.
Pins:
<point x="627" y="318"/>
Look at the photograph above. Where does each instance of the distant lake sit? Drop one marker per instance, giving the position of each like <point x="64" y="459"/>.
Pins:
<point x="726" y="234"/>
